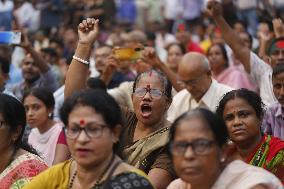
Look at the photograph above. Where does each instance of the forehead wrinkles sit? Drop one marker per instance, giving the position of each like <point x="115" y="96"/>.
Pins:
<point x="152" y="74"/>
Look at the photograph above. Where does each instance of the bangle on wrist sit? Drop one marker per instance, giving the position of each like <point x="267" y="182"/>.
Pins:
<point x="81" y="60"/>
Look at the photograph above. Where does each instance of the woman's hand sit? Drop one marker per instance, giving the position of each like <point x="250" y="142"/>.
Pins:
<point x="150" y="57"/>
<point x="214" y="8"/>
<point x="88" y="31"/>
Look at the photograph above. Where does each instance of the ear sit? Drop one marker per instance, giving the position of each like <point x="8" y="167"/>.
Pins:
<point x="50" y="111"/>
<point x="15" y="135"/>
<point x="116" y="133"/>
<point x="209" y="73"/>
<point x="169" y="102"/>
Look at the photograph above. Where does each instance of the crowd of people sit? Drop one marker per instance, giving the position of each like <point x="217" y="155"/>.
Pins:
<point x="164" y="94"/>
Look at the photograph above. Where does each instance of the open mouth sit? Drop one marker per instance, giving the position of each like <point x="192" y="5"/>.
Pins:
<point x="146" y="110"/>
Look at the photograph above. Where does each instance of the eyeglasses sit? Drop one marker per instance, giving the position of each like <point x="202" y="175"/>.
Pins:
<point x="92" y="130"/>
<point x="199" y="147"/>
<point x="155" y="93"/>
<point x="190" y="82"/>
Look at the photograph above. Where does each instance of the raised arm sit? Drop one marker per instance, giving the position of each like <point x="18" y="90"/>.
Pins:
<point x="77" y="73"/>
<point x="38" y="59"/>
<point x="150" y="57"/>
<point x="278" y="27"/>
<point x="230" y="36"/>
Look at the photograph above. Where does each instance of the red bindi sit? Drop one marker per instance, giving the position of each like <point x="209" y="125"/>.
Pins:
<point x="82" y="122"/>
<point x="148" y="87"/>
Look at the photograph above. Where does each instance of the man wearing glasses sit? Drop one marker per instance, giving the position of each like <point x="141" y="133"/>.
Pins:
<point x="201" y="90"/>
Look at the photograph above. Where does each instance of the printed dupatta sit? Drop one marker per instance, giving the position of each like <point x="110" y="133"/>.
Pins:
<point x="21" y="171"/>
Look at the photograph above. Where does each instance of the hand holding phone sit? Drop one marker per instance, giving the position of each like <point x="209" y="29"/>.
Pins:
<point x="10" y="37"/>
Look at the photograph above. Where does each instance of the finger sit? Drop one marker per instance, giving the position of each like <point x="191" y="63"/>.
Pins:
<point x="89" y="21"/>
<point x="85" y="24"/>
<point x="81" y="27"/>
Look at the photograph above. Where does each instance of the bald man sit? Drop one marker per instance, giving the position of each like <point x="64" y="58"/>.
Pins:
<point x="200" y="89"/>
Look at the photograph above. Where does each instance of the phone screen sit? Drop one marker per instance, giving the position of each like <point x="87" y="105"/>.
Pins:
<point x="10" y="37"/>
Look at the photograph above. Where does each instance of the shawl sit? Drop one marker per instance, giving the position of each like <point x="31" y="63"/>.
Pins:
<point x="21" y="171"/>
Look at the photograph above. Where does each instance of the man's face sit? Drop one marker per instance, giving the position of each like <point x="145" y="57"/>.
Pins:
<point x="277" y="57"/>
<point x="278" y="87"/>
<point x="30" y="71"/>
<point x="100" y="56"/>
<point x="245" y="39"/>
<point x="195" y="79"/>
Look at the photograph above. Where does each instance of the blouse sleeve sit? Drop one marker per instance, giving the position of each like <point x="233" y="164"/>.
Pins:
<point x="62" y="138"/>
<point x="163" y="161"/>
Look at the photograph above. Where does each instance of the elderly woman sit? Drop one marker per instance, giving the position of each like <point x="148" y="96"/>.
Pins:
<point x="242" y="111"/>
<point x="18" y="162"/>
<point x="93" y="125"/>
<point x="151" y="99"/>
<point x="146" y="129"/>
<point x="198" y="145"/>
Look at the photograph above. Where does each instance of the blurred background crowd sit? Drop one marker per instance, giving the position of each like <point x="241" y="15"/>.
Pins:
<point x="52" y="25"/>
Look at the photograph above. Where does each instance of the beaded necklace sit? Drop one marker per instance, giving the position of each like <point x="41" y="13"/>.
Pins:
<point x="97" y="184"/>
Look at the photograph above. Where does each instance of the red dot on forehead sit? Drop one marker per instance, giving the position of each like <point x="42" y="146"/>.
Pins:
<point x="82" y="122"/>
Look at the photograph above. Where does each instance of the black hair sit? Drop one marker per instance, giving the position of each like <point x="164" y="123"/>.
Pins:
<point x="57" y="41"/>
<point x="223" y="51"/>
<point x="183" y="51"/>
<point x="164" y="80"/>
<point x="5" y="65"/>
<point x="43" y="94"/>
<point x="213" y="122"/>
<point x="278" y="69"/>
<point x="97" y="99"/>
<point x="101" y="102"/>
<point x="50" y="51"/>
<point x="96" y="83"/>
<point x="14" y="116"/>
<point x="272" y="43"/>
<point x="252" y="98"/>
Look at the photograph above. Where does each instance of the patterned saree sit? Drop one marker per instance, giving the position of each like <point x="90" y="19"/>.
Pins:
<point x="269" y="154"/>
<point x="21" y="171"/>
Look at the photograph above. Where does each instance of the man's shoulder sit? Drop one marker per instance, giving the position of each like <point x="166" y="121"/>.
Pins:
<point x="181" y="94"/>
<point x="221" y="88"/>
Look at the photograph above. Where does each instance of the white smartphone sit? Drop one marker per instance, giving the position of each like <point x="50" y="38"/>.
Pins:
<point x="10" y="37"/>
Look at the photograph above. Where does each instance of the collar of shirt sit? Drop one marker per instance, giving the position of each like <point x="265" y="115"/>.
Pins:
<point x="279" y="111"/>
<point x="209" y="95"/>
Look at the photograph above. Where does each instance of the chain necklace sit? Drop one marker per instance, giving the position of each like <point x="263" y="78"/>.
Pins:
<point x="98" y="180"/>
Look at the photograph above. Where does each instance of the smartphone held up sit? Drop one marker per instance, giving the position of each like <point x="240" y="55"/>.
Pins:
<point x="10" y="37"/>
<point x="125" y="53"/>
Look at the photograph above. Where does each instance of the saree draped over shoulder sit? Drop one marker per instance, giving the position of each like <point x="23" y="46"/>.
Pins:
<point x="21" y="171"/>
<point x="58" y="177"/>
<point x="146" y="153"/>
<point x="269" y="154"/>
<point x="138" y="152"/>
